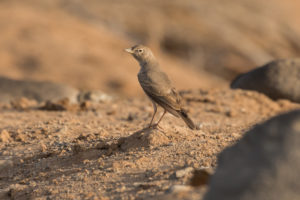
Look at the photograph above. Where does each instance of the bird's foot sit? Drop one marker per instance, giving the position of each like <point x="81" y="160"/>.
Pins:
<point x="156" y="126"/>
<point x="152" y="126"/>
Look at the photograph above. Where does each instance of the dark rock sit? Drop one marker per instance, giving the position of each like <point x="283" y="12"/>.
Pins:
<point x="11" y="89"/>
<point x="264" y="164"/>
<point x="278" y="79"/>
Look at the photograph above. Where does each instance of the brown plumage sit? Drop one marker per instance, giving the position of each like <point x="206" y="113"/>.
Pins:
<point x="157" y="85"/>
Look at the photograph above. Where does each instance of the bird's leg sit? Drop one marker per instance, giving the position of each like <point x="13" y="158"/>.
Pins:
<point x="154" y="109"/>
<point x="161" y="117"/>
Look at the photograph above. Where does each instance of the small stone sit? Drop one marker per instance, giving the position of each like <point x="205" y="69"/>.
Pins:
<point x="179" y="188"/>
<point x="20" y="137"/>
<point x="23" y="103"/>
<point x="4" y="164"/>
<point x="97" y="172"/>
<point x="4" y="136"/>
<point x="102" y="145"/>
<point x="183" y="172"/>
<point x="43" y="147"/>
<point x="85" y="105"/>
<point x="94" y="96"/>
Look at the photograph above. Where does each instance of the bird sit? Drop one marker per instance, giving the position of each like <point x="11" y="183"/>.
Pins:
<point x="157" y="86"/>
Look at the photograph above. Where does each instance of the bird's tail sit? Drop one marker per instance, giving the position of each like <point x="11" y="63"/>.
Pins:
<point x="186" y="119"/>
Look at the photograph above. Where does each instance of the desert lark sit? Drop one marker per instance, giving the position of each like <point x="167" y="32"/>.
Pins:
<point x="157" y="85"/>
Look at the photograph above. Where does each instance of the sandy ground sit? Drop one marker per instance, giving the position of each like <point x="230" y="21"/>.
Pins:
<point x="103" y="150"/>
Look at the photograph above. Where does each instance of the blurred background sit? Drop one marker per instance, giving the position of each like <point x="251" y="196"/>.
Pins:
<point x="199" y="43"/>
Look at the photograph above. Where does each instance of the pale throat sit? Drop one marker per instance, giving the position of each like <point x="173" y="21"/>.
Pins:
<point x="149" y="61"/>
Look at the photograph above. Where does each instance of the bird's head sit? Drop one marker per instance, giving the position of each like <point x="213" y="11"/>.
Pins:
<point x="141" y="53"/>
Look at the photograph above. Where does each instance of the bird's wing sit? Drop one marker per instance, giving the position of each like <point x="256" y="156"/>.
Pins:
<point x="157" y="86"/>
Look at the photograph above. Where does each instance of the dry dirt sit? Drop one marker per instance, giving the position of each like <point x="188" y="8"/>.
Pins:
<point x="103" y="150"/>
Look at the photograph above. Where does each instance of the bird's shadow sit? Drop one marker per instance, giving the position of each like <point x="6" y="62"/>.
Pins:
<point x="145" y="137"/>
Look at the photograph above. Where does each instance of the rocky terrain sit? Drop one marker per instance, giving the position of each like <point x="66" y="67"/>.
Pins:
<point x="103" y="150"/>
<point x="73" y="119"/>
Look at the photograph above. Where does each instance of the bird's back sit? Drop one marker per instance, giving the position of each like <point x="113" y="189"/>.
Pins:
<point x="158" y="87"/>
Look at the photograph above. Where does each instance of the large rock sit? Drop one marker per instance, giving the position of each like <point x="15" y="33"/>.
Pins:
<point x="264" y="164"/>
<point x="278" y="80"/>
<point x="11" y="89"/>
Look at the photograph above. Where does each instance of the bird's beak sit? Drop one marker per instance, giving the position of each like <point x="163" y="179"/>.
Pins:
<point x="129" y="50"/>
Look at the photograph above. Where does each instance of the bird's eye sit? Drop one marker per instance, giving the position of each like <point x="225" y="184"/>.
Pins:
<point x="140" y="50"/>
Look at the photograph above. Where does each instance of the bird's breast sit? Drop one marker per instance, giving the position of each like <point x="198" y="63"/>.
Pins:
<point x="143" y="78"/>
